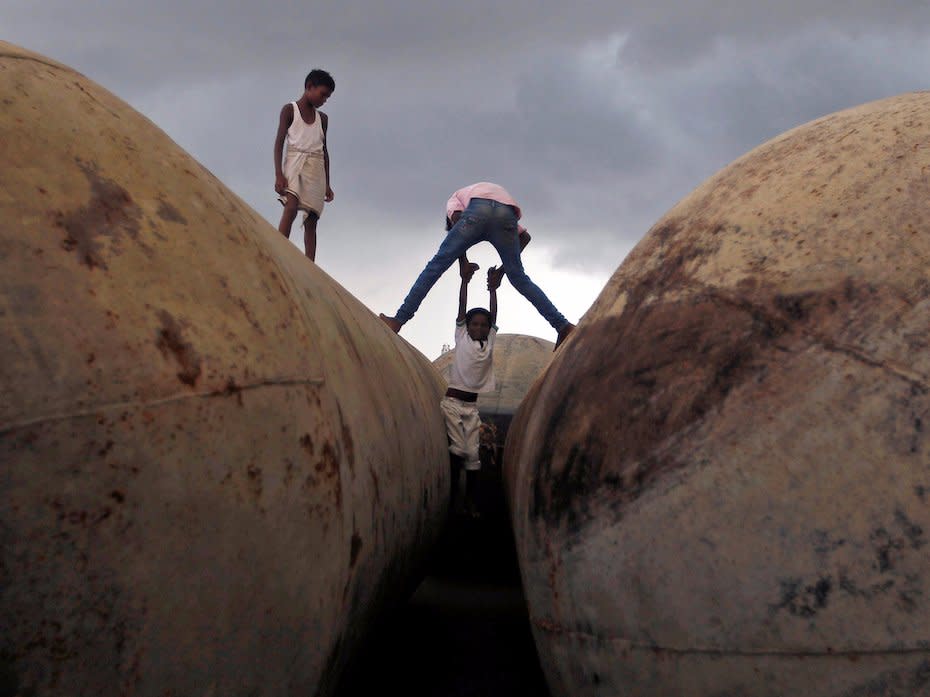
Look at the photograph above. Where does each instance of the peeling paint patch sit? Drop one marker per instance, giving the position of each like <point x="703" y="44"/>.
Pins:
<point x="803" y="600"/>
<point x="110" y="215"/>
<point x="328" y="467"/>
<point x="306" y="442"/>
<point x="172" y="344"/>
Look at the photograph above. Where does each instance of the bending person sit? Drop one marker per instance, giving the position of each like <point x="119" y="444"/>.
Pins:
<point x="482" y="212"/>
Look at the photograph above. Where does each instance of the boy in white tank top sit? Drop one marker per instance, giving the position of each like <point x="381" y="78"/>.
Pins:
<point x="301" y="177"/>
<point x="471" y="372"/>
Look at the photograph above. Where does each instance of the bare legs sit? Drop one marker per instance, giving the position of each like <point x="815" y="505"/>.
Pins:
<point x="310" y="236"/>
<point x="287" y="220"/>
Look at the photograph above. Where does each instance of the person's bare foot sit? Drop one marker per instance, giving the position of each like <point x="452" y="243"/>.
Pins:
<point x="563" y="334"/>
<point x="466" y="271"/>
<point x="495" y="274"/>
<point x="391" y="322"/>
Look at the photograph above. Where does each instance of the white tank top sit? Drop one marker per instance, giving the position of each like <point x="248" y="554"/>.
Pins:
<point x="305" y="137"/>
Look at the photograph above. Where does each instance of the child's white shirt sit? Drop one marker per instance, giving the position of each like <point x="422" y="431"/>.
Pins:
<point x="472" y="365"/>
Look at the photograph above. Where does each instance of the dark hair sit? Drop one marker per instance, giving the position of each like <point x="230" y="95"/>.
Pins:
<point x="320" y="77"/>
<point x="477" y="311"/>
<point x="448" y="223"/>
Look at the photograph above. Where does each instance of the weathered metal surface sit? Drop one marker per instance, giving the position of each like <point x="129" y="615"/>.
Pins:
<point x="720" y="486"/>
<point x="216" y="465"/>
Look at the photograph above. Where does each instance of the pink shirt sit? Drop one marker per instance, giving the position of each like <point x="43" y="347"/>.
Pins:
<point x="459" y="200"/>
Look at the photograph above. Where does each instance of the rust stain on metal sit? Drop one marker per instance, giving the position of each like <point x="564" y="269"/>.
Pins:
<point x="347" y="444"/>
<point x="803" y="600"/>
<point x="169" y="213"/>
<point x="171" y="343"/>
<point x="249" y="315"/>
<point x="254" y="474"/>
<point x="328" y="467"/>
<point x="109" y="214"/>
<point x="288" y="471"/>
<point x="232" y="389"/>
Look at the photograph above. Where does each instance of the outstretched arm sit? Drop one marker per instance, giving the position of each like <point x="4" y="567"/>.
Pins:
<point x="466" y="272"/>
<point x="494" y="281"/>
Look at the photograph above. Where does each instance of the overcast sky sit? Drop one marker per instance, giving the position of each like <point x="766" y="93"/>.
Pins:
<point x="597" y="116"/>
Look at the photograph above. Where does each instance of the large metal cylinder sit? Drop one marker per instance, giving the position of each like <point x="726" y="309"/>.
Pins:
<point x="720" y="486"/>
<point x="216" y="465"/>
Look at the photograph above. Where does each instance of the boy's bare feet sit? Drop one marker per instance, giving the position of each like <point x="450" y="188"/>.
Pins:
<point x="391" y="322"/>
<point x="563" y="334"/>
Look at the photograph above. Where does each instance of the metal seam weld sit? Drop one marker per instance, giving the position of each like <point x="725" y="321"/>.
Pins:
<point x="629" y="644"/>
<point x="227" y="391"/>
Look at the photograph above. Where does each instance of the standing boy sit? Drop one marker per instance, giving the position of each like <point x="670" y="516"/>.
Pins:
<point x="482" y="212"/>
<point x="302" y="181"/>
<point x="471" y="372"/>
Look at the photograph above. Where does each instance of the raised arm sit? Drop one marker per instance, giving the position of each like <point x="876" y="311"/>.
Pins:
<point x="494" y="281"/>
<point x="466" y="272"/>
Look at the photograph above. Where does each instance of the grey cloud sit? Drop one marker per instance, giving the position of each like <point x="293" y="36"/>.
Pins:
<point x="666" y="34"/>
<point x="119" y="41"/>
<point x="433" y="96"/>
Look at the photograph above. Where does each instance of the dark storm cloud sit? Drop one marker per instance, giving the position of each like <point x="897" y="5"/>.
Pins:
<point x="599" y="116"/>
<point x="126" y="40"/>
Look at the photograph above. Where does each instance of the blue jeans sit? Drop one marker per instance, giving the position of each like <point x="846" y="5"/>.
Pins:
<point x="483" y="221"/>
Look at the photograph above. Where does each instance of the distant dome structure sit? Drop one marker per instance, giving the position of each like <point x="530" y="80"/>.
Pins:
<point x="721" y="484"/>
